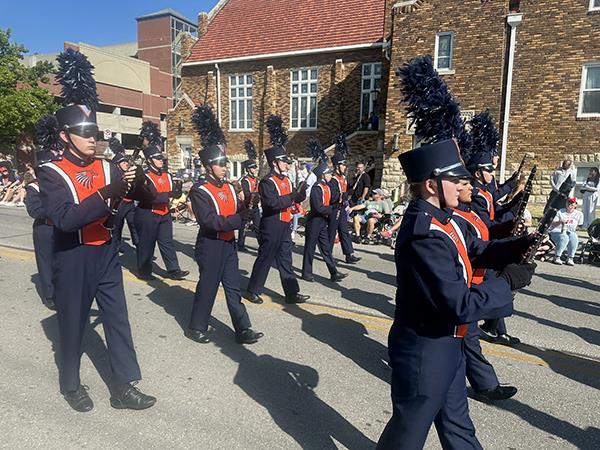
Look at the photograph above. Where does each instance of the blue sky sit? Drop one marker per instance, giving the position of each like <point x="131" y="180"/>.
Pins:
<point x="43" y="26"/>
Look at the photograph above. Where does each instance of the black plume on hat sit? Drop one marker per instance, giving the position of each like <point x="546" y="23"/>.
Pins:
<point x="115" y="145"/>
<point x="208" y="126"/>
<point x="250" y="150"/>
<point x="277" y="133"/>
<point x="76" y="77"/>
<point x="341" y="146"/>
<point x="47" y="132"/>
<point x="433" y="109"/>
<point x="484" y="132"/>
<point x="151" y="132"/>
<point x="316" y="150"/>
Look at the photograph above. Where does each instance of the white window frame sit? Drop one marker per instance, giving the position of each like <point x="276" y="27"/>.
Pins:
<point x="371" y="89"/>
<point x="584" y="70"/>
<point x="245" y="99"/>
<point x="594" y="7"/>
<point x="437" y="42"/>
<point x="299" y="95"/>
<point x="236" y="170"/>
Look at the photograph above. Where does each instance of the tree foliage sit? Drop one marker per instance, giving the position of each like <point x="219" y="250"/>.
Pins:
<point x="22" y="100"/>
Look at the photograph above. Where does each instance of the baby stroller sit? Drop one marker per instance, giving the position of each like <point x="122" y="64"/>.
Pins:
<point x="590" y="251"/>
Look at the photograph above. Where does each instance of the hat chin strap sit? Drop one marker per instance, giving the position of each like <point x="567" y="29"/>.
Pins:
<point x="441" y="196"/>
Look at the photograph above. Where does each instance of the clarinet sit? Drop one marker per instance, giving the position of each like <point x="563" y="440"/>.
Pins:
<point x="523" y="203"/>
<point x="542" y="229"/>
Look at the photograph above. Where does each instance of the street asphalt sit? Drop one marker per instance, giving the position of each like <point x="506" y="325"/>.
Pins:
<point x="317" y="380"/>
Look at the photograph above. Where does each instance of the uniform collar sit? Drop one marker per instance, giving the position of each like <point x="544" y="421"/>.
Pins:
<point x="443" y="215"/>
<point x="213" y="181"/>
<point x="480" y="186"/>
<point x="280" y="176"/>
<point x="79" y="162"/>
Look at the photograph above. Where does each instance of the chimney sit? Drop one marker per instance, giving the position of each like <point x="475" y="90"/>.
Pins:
<point x="202" y="24"/>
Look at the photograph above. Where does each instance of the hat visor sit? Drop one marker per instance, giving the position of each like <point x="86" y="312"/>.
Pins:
<point x="158" y="156"/>
<point x="456" y="172"/>
<point x="285" y="159"/>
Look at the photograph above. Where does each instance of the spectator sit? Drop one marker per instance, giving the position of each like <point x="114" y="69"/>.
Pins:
<point x="559" y="176"/>
<point x="373" y="211"/>
<point x="360" y="186"/>
<point x="563" y="231"/>
<point x="373" y="122"/>
<point x="302" y="173"/>
<point x="590" y="196"/>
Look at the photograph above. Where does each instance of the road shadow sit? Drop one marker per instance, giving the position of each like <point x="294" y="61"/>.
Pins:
<point x="569" y="281"/>
<point x="92" y="345"/>
<point x="37" y="282"/>
<point x="583" y="306"/>
<point x="287" y="391"/>
<point x="587" y="439"/>
<point x="587" y="334"/>
<point x="583" y="370"/>
<point x="346" y="336"/>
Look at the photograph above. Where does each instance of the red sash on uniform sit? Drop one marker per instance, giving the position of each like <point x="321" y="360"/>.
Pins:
<point x="162" y="183"/>
<point x="225" y="201"/>
<point x="341" y="179"/>
<point x="326" y="193"/>
<point x="252" y="183"/>
<point x="482" y="233"/>
<point x="452" y="230"/>
<point x="84" y="182"/>
<point x="489" y="200"/>
<point x="283" y="187"/>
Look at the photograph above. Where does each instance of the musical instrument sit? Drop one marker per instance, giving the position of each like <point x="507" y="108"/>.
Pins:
<point x="553" y="205"/>
<point x="529" y="155"/>
<point x="518" y="229"/>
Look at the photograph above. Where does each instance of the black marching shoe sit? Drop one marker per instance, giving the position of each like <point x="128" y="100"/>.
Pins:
<point x="127" y="396"/>
<point x="338" y="276"/>
<point x="499" y="393"/>
<point x="49" y="303"/>
<point x="506" y="339"/>
<point x="252" y="298"/>
<point x="201" y="337"/>
<point x="351" y="259"/>
<point x="177" y="274"/>
<point x="297" y="298"/>
<point x="145" y="276"/>
<point x="308" y="278"/>
<point x="248" y="336"/>
<point x="79" y="400"/>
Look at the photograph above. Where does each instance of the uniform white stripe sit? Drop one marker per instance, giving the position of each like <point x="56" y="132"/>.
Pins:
<point x="233" y="195"/>
<point x="65" y="177"/>
<point x="276" y="186"/>
<point x="214" y="200"/>
<point x="435" y="227"/>
<point x="34" y="186"/>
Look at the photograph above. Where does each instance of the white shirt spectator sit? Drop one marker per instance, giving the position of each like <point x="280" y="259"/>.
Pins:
<point x="567" y="221"/>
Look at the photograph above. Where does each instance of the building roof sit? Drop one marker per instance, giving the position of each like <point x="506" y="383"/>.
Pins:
<point x="247" y="28"/>
<point x="167" y="12"/>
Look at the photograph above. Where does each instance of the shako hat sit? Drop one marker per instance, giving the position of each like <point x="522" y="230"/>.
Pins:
<point x="278" y="138"/>
<point x="212" y="138"/>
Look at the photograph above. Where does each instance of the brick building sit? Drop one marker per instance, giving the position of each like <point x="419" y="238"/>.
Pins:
<point x="319" y="64"/>
<point x="552" y="98"/>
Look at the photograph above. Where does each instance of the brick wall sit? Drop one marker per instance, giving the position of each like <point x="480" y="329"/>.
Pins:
<point x="338" y="100"/>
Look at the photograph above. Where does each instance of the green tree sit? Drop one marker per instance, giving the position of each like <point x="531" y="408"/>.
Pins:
<point x="22" y="99"/>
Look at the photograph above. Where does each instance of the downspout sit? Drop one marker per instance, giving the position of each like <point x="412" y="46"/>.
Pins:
<point x="513" y="20"/>
<point x="218" y="93"/>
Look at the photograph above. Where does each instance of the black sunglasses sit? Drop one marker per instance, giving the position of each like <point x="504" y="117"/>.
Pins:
<point x="84" y="131"/>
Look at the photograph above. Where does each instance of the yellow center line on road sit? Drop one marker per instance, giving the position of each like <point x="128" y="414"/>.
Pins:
<point x="370" y="322"/>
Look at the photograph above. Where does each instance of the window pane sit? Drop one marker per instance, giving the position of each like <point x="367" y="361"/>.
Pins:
<point x="242" y="113"/>
<point x="313" y="88"/>
<point x="593" y="78"/>
<point x="591" y="102"/>
<point x="366" y="69"/>
<point x="376" y="83"/>
<point x="366" y="85"/>
<point x="313" y="110"/>
<point x="233" y="91"/>
<point x="294" y="109"/>
<point x="241" y="92"/>
<point x="304" y="88"/>
<point x="294" y="88"/>
<point x="443" y="63"/>
<point x="249" y="114"/>
<point x="444" y="45"/>
<point x="596" y="3"/>
<point x="234" y="114"/>
<point x="365" y="104"/>
<point x="249" y="92"/>
<point x="241" y="79"/>
<point x="313" y="74"/>
<point x="248" y="79"/>
<point x="305" y="74"/>
<point x="303" y="112"/>
<point x="377" y="69"/>
<point x="232" y="81"/>
<point x="295" y="75"/>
